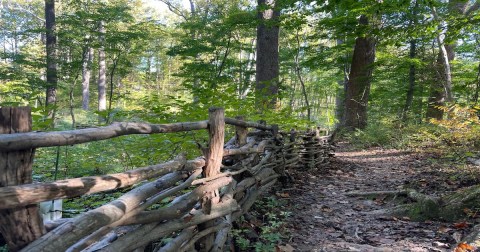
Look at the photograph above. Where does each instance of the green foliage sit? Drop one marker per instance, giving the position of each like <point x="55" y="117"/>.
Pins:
<point x="270" y="232"/>
<point x="453" y="139"/>
<point x="374" y="135"/>
<point x="173" y="67"/>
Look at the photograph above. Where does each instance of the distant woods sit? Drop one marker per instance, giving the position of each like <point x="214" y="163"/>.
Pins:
<point x="407" y="61"/>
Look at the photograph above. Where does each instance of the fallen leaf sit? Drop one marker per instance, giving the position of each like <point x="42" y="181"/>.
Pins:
<point x="285" y="248"/>
<point x="326" y="209"/>
<point x="463" y="247"/>
<point x="460" y="225"/>
<point x="444" y="229"/>
<point x="283" y="195"/>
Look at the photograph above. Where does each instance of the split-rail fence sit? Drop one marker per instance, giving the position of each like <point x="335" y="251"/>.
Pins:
<point x="209" y="193"/>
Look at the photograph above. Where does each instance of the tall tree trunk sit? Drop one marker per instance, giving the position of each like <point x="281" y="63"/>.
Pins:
<point x="341" y="91"/>
<point x="358" y="85"/>
<point x="441" y="90"/>
<point x="267" y="68"/>
<point x="299" y="75"/>
<point x="51" y="44"/>
<point x="411" y="81"/>
<point x="477" y="87"/>
<point x="411" y="72"/>
<point x="86" y="71"/>
<point x="102" y="69"/>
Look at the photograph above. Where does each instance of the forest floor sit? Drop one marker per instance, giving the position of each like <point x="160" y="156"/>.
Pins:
<point x="324" y="218"/>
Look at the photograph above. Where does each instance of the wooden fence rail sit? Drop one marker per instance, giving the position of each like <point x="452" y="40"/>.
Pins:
<point x="233" y="175"/>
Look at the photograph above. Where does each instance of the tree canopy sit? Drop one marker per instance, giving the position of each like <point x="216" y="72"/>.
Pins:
<point x="169" y="58"/>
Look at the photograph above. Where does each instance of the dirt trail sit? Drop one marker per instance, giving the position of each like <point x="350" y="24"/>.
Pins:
<point x="325" y="219"/>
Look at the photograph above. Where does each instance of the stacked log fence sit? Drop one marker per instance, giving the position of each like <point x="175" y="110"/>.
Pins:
<point x="205" y="195"/>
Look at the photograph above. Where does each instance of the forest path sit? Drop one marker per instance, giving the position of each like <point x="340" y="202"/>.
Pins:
<point x="325" y="219"/>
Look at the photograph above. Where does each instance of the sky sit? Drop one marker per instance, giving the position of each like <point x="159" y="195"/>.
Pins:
<point x="162" y="7"/>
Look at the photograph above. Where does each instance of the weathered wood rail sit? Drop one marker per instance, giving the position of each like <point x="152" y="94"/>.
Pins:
<point x="222" y="186"/>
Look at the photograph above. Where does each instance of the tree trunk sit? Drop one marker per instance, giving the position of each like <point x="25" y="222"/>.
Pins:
<point x="299" y="75"/>
<point x="102" y="69"/>
<point x="411" y="72"/>
<point x="358" y="85"/>
<point x="438" y="94"/>
<point x="340" y="95"/>
<point x="51" y="44"/>
<point x="267" y="68"/>
<point x="477" y="87"/>
<point x="20" y="225"/>
<point x="411" y="81"/>
<point x="441" y="90"/>
<point x="86" y="71"/>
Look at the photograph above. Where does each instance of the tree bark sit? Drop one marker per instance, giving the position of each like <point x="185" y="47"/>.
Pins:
<point x="51" y="44"/>
<point x="20" y="225"/>
<point x="267" y="65"/>
<point x="477" y="86"/>
<point x="341" y="91"/>
<point x="213" y="158"/>
<point x="411" y="72"/>
<point x="299" y="75"/>
<point x="411" y="81"/>
<point x="441" y="89"/>
<point x="86" y="71"/>
<point x="102" y="69"/>
<point x="358" y="85"/>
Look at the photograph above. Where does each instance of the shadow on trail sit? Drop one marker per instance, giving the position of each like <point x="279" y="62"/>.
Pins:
<point x="325" y="219"/>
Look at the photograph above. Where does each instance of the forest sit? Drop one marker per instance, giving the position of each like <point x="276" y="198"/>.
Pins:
<point x="381" y="78"/>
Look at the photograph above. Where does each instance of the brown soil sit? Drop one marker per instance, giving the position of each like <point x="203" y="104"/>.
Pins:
<point x="325" y="219"/>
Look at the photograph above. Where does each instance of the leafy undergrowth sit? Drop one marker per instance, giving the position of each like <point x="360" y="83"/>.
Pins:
<point x="263" y="227"/>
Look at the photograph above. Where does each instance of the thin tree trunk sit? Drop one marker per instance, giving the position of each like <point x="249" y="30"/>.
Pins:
<point x="51" y="44"/>
<point x="445" y="62"/>
<point x="102" y="69"/>
<point x="112" y="74"/>
<point x="477" y="87"/>
<point x="299" y="75"/>
<point x="294" y="90"/>
<point x="341" y="91"/>
<point x="267" y="68"/>
<point x="86" y="72"/>
<point x="441" y="90"/>
<point x="411" y="81"/>
<point x="358" y="86"/>
<point x="411" y="72"/>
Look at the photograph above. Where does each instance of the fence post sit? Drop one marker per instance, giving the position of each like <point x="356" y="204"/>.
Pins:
<point x="214" y="155"/>
<point x="240" y="133"/>
<point x="21" y="225"/>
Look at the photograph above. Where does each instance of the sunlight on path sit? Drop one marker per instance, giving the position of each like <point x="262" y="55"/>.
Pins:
<point x="325" y="219"/>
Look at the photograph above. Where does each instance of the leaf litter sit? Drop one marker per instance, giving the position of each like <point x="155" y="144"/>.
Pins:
<point x="325" y="219"/>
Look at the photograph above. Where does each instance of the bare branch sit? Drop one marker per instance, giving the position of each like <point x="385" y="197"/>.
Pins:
<point x="174" y="9"/>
